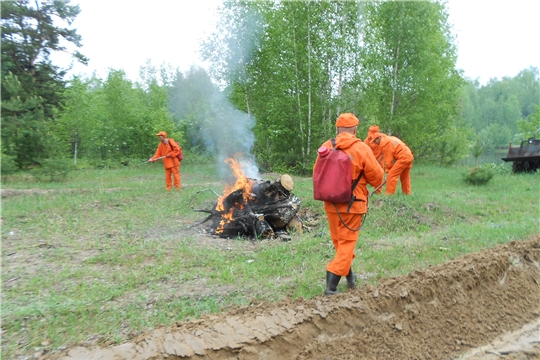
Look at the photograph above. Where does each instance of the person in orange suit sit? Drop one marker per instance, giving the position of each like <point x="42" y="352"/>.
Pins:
<point x="168" y="149"/>
<point x="345" y="223"/>
<point x="398" y="159"/>
<point x="373" y="129"/>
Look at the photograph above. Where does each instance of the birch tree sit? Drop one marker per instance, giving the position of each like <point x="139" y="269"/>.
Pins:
<point x="411" y="85"/>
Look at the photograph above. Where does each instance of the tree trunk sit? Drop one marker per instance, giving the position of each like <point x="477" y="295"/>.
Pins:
<point x="395" y="77"/>
<point x="246" y="95"/>
<point x="302" y="135"/>
<point x="75" y="154"/>
<point x="309" y="83"/>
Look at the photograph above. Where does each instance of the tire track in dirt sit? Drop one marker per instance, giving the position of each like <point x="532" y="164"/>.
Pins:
<point x="442" y="312"/>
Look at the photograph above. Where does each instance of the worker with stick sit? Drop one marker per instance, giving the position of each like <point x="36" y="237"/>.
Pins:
<point x="168" y="151"/>
<point x="346" y="218"/>
<point x="398" y="159"/>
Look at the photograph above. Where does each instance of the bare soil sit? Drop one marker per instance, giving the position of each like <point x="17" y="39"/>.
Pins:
<point x="481" y="306"/>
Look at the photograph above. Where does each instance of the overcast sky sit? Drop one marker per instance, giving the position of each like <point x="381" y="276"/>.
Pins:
<point x="495" y="38"/>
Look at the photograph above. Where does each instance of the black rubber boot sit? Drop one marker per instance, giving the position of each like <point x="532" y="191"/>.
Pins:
<point x="332" y="281"/>
<point x="351" y="279"/>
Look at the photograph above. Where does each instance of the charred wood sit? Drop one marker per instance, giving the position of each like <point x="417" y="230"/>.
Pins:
<point x="269" y="207"/>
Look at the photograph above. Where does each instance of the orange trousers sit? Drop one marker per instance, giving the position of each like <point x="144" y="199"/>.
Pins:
<point x="175" y="172"/>
<point x="400" y="171"/>
<point x="344" y="241"/>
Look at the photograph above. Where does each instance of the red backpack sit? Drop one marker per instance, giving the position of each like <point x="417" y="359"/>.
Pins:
<point x="332" y="179"/>
<point x="180" y="156"/>
<point x="332" y="176"/>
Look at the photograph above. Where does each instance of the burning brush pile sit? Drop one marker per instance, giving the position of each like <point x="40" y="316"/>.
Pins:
<point x="254" y="208"/>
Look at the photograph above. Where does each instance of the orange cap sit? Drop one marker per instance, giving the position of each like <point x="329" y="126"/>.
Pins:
<point x="347" y="120"/>
<point x="373" y="129"/>
<point x="161" y="133"/>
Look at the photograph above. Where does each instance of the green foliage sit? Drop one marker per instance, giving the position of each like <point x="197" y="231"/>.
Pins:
<point x="109" y="122"/>
<point x="32" y="86"/>
<point x="495" y="135"/>
<point x="53" y="170"/>
<point x="22" y="123"/>
<point x="410" y="85"/>
<point x="8" y="165"/>
<point x="497" y="168"/>
<point x="503" y="110"/>
<point x="531" y="127"/>
<point x="288" y="67"/>
<point x="477" y="149"/>
<point x="298" y="51"/>
<point x="479" y="176"/>
<point x="451" y="147"/>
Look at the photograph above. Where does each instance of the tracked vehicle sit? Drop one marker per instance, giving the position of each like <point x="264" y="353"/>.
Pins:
<point x="526" y="157"/>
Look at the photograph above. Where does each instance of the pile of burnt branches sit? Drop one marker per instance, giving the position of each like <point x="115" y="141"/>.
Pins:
<point x="269" y="207"/>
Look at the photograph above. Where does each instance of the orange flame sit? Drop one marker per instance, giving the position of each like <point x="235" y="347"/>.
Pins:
<point x="242" y="182"/>
<point x="226" y="218"/>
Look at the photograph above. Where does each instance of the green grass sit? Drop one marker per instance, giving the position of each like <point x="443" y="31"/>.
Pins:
<point x="109" y="254"/>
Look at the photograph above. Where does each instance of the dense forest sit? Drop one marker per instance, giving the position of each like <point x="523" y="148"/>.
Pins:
<point x="282" y="71"/>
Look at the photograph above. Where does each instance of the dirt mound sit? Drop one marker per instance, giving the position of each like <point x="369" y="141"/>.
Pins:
<point x="440" y="313"/>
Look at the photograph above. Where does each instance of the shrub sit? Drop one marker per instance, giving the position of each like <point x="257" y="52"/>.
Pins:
<point x="478" y="176"/>
<point x="497" y="169"/>
<point x="53" y="170"/>
<point x="8" y="166"/>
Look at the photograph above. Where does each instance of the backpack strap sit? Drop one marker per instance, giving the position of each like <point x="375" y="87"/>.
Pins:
<point x="171" y="142"/>
<point x="353" y="198"/>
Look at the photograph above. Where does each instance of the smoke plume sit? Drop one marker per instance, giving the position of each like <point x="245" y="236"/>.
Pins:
<point x="228" y="134"/>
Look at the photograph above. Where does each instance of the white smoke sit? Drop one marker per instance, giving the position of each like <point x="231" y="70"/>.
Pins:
<point x="228" y="134"/>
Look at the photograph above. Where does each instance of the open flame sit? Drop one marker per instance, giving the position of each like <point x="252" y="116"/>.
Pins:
<point x="242" y="182"/>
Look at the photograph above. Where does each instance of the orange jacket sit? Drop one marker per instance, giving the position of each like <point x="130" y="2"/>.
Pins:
<point x="393" y="150"/>
<point x="171" y="151"/>
<point x="362" y="160"/>
<point x="374" y="147"/>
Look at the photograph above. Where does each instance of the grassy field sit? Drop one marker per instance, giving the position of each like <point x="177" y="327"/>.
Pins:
<point x="109" y="254"/>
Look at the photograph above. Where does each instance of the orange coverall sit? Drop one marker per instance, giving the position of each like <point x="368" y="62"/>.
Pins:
<point x="398" y="159"/>
<point x="373" y="129"/>
<point x="344" y="240"/>
<point x="170" y="162"/>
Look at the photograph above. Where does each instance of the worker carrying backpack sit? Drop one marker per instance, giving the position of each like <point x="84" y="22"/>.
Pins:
<point x="332" y="176"/>
<point x="180" y="156"/>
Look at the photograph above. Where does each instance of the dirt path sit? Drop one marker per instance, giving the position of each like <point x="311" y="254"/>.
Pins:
<point x="452" y="311"/>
